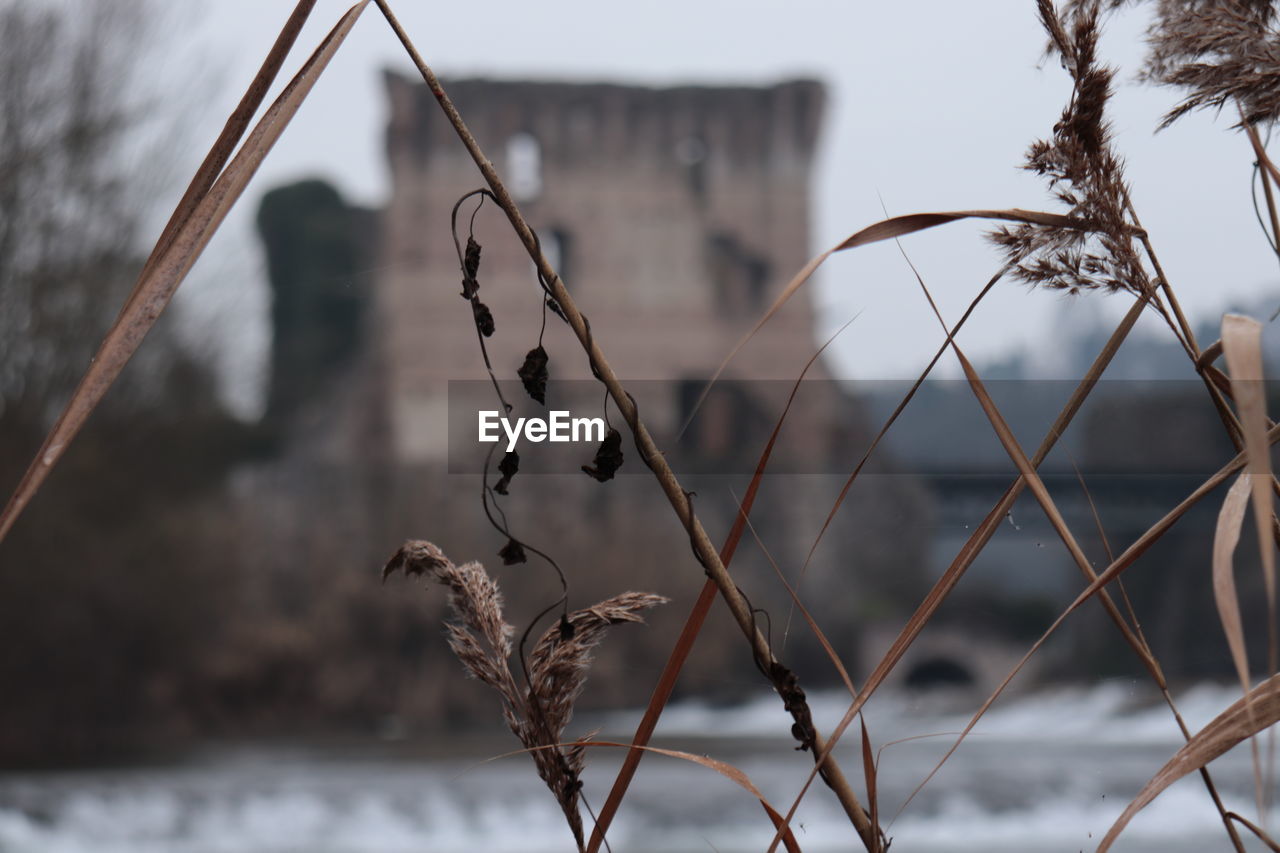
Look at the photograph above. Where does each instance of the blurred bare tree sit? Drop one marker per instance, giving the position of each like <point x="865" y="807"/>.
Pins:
<point x="120" y="575"/>
<point x="76" y="179"/>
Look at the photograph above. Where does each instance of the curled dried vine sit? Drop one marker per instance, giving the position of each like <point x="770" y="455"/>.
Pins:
<point x="515" y="551"/>
<point x="469" y="261"/>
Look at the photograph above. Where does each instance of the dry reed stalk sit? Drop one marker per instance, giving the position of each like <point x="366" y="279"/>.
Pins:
<point x="1111" y="573"/>
<point x="1084" y="174"/>
<point x="1227" y="51"/>
<point x="194" y="221"/>
<point x="979" y="538"/>
<point x="1027" y="471"/>
<point x="1242" y="350"/>
<point x="1088" y="177"/>
<point x="693" y="624"/>
<point x="1267" y="171"/>
<point x="1225" y="540"/>
<point x="1165" y="693"/>
<point x="783" y="680"/>
<point x="984" y="531"/>
<point x="888" y="424"/>
<point x="889" y="229"/>
<point x="1255" y="711"/>
<point x="557" y="667"/>
<point x="1032" y="478"/>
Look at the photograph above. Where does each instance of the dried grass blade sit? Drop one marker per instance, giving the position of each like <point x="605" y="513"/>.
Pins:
<point x="1106" y="549"/>
<point x="885" y="229"/>
<point x="869" y="773"/>
<point x="982" y="534"/>
<point x="1126" y="559"/>
<point x="237" y="123"/>
<point x="693" y="624"/>
<point x="1256" y="830"/>
<point x="1247" y="716"/>
<point x="1032" y="479"/>
<point x="947" y="582"/>
<point x="1242" y="345"/>
<point x="818" y="633"/>
<point x="1269" y="181"/>
<point x="728" y="771"/>
<point x="1260" y="151"/>
<point x="677" y="496"/>
<point x="1225" y="539"/>
<point x="888" y="424"/>
<point x="159" y="282"/>
<point x="1242" y="349"/>
<point x="1029" y="476"/>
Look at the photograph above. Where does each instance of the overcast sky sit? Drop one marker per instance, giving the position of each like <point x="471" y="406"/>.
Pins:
<point x="931" y="106"/>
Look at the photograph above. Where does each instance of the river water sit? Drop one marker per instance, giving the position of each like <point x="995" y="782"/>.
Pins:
<point x="1047" y="771"/>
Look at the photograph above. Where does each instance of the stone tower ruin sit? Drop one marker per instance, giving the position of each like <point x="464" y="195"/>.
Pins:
<point x="673" y="215"/>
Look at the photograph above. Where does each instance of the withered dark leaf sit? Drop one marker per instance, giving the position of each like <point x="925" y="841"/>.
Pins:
<point x="533" y="373"/>
<point x="471" y="262"/>
<point x="508" y="467"/>
<point x="484" y="318"/>
<point x="608" y="457"/>
<point x="512" y="553"/>
<point x="470" y="268"/>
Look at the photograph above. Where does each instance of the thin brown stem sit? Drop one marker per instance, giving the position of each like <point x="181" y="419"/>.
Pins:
<point x="648" y="450"/>
<point x="1162" y="685"/>
<point x="1185" y="334"/>
<point x="1235" y="433"/>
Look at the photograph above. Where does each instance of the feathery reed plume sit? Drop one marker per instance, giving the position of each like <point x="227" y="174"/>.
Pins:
<point x="556" y="668"/>
<point x="1083" y="173"/>
<point x="1219" y="50"/>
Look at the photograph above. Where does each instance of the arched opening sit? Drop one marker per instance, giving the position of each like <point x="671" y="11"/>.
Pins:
<point x="938" y="672"/>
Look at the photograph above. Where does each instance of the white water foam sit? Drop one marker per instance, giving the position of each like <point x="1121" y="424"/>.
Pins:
<point x="1121" y="711"/>
<point x="1048" y="771"/>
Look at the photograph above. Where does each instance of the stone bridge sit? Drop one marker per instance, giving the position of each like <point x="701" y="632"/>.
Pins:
<point x="945" y="656"/>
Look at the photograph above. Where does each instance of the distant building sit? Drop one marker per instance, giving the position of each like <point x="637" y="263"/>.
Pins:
<point x="672" y="214"/>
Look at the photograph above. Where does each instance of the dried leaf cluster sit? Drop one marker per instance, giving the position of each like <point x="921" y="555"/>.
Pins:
<point x="471" y="289"/>
<point x="533" y="374"/>
<point x="608" y="458"/>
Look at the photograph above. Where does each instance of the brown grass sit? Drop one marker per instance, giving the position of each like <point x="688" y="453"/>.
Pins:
<point x="1220" y="53"/>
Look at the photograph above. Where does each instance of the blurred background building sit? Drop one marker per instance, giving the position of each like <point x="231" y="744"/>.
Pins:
<point x="187" y="573"/>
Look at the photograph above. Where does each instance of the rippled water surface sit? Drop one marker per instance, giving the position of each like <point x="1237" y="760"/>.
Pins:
<point x="1044" y="772"/>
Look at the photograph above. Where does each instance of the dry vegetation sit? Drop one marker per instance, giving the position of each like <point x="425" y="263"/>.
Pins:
<point x="1222" y="54"/>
